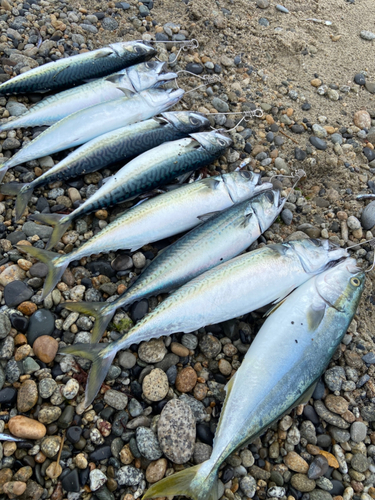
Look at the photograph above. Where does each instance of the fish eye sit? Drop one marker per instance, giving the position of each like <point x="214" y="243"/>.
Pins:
<point x="150" y="64"/>
<point x="316" y="242"/>
<point x="194" y="121"/>
<point x="138" y="49"/>
<point x="355" y="282"/>
<point x="221" y="142"/>
<point x="246" y="174"/>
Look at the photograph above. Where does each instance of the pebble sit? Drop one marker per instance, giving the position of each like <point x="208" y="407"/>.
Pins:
<point x="362" y="119"/>
<point x="152" y="351"/>
<point x="156" y="470"/>
<point x="27" y="396"/>
<point x="177" y="431"/>
<point x="128" y="476"/>
<point x="17" y="292"/>
<point x="45" y="348"/>
<point x="186" y="379"/>
<point x="368" y="216"/>
<point x="116" y="399"/>
<point x="14" y="489"/>
<point x="70" y="481"/>
<point x="367" y="35"/>
<point x="50" y="446"/>
<point x="302" y="483"/>
<point x="296" y="463"/>
<point x="5" y="326"/>
<point x="147" y="443"/>
<point x="71" y="388"/>
<point x="318" y="467"/>
<point x="97" y="479"/>
<point x="249" y="486"/>
<point x="318" y="143"/>
<point x="220" y="105"/>
<point x="155" y="385"/>
<point x="210" y="346"/>
<point x="283" y="9"/>
<point x="358" y="431"/>
<point x="27" y="428"/>
<point x="42" y="322"/>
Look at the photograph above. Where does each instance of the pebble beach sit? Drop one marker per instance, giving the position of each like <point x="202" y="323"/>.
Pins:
<point x="309" y="69"/>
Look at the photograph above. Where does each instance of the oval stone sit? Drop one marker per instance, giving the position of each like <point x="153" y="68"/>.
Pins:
<point x="177" y="431"/>
<point x="26" y="428"/>
<point x="27" y="396"/>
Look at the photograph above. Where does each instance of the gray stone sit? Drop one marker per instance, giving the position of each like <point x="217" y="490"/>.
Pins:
<point x="337" y="138"/>
<point x="46" y="387"/>
<point x="328" y="416"/>
<point x="368" y="216"/>
<point x="116" y="399"/>
<point x="320" y="495"/>
<point x="248" y="485"/>
<point x="89" y="28"/>
<point x="367" y="35"/>
<point x="334" y="377"/>
<point x="97" y="479"/>
<point x="30" y="366"/>
<point x="287" y="216"/>
<point x="319" y="131"/>
<point x="358" y="431"/>
<point x="129" y="476"/>
<point x="220" y="105"/>
<point x="369" y="358"/>
<point x="31" y="229"/>
<point x="135" y="408"/>
<point x="339" y="435"/>
<point x="210" y="346"/>
<point x="16" y="108"/>
<point x="359" y="462"/>
<point x="109" y="24"/>
<point x="324" y="483"/>
<point x="12" y="371"/>
<point x="190" y="341"/>
<point x="197" y="407"/>
<point x="5" y="326"/>
<point x="11" y="143"/>
<point x="177" y="431"/>
<point x="7" y="348"/>
<point x="147" y="443"/>
<point x="202" y="452"/>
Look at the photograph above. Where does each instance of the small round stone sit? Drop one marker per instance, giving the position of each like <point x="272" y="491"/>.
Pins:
<point x="27" y="428"/>
<point x="116" y="399"/>
<point x="156" y="470"/>
<point x="70" y="389"/>
<point x="45" y="348"/>
<point x="186" y="379"/>
<point x="152" y="351"/>
<point x="14" y="489"/>
<point x="97" y="479"/>
<point x="296" y="463"/>
<point x="302" y="483"/>
<point x="362" y="119"/>
<point x="358" y="431"/>
<point x="50" y="446"/>
<point x="155" y="385"/>
<point x="147" y="443"/>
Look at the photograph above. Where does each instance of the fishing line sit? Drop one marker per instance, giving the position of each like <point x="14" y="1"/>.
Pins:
<point x="185" y="46"/>
<point x="300" y="174"/>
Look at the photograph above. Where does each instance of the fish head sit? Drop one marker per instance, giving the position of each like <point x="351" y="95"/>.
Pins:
<point x="316" y="255"/>
<point x="214" y="142"/>
<point x="187" y="121"/>
<point x="136" y="48"/>
<point x="160" y="99"/>
<point x="240" y="185"/>
<point x="341" y="286"/>
<point x="149" y="74"/>
<point x="267" y="205"/>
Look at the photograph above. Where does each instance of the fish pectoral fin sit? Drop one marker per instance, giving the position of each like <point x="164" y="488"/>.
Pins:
<point x="205" y="217"/>
<point x="211" y="183"/>
<point x="128" y="93"/>
<point x="246" y="219"/>
<point x="315" y="316"/>
<point x="117" y="80"/>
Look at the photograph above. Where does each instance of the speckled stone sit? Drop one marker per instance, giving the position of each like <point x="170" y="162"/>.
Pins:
<point x="302" y="483"/>
<point x="177" y="431"/>
<point x="152" y="351"/>
<point x="50" y="446"/>
<point x="27" y="396"/>
<point x="186" y="379"/>
<point x="155" y="385"/>
<point x="116" y="399"/>
<point x="296" y="463"/>
<point x="329" y="417"/>
<point x="129" y="476"/>
<point x="147" y="443"/>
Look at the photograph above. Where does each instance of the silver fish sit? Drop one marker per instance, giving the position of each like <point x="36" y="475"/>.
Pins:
<point x="86" y="124"/>
<point x="155" y="219"/>
<point x="8" y="437"/>
<point x="237" y="287"/>
<point x="220" y="238"/>
<point x="280" y="370"/>
<point x="74" y="70"/>
<point x="56" y="107"/>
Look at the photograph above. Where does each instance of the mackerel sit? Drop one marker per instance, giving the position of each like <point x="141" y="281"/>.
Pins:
<point x="220" y="238"/>
<point x="86" y="124"/>
<point x="237" y="287"/>
<point x="279" y="371"/>
<point x="56" y="107"/>
<point x="119" y="144"/>
<point x="154" y="168"/>
<point x="74" y="70"/>
<point x="155" y="219"/>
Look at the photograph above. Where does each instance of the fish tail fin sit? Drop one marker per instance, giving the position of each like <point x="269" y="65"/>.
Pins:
<point x="101" y="311"/>
<point x="22" y="200"/>
<point x="60" y="223"/>
<point x="55" y="263"/>
<point x="23" y="193"/>
<point x="101" y="361"/>
<point x="198" y="482"/>
<point x="3" y="170"/>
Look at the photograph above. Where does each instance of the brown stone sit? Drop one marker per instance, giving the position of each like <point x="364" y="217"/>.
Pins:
<point x="362" y="119"/>
<point x="27" y="396"/>
<point x="302" y="483"/>
<point x="101" y="214"/>
<point x="27" y="428"/>
<point x="186" y="379"/>
<point x="200" y="391"/>
<point x="9" y="447"/>
<point x="12" y="273"/>
<point x="155" y="385"/>
<point x="353" y="359"/>
<point x="45" y="348"/>
<point x="14" y="488"/>
<point x="337" y="404"/>
<point x="296" y="463"/>
<point x="20" y="339"/>
<point x="225" y="367"/>
<point x="23" y="474"/>
<point x="156" y="470"/>
<point x="313" y="450"/>
<point x="126" y="456"/>
<point x="22" y="352"/>
<point x="5" y="476"/>
<point x="316" y="82"/>
<point x="179" y="349"/>
<point x="24" y="264"/>
<point x="27" y="308"/>
<point x="331" y="459"/>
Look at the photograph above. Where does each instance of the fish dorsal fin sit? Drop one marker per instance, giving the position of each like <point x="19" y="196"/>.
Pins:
<point x="315" y="316"/>
<point x="273" y="308"/>
<point x="205" y="217"/>
<point x="128" y="93"/>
